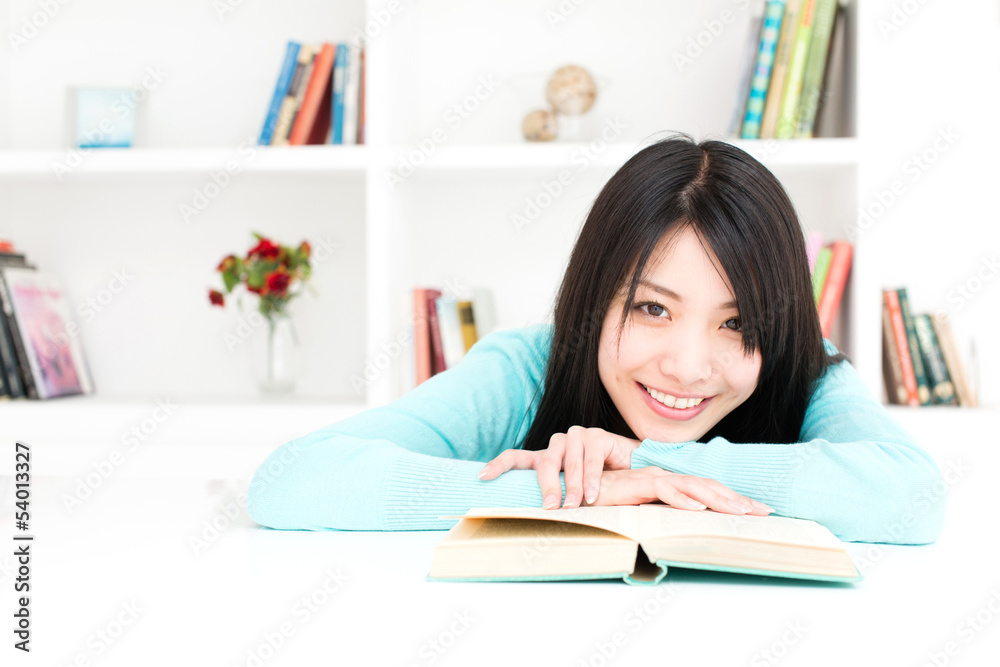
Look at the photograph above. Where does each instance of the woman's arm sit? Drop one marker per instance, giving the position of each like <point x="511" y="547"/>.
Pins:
<point x="856" y="471"/>
<point x="400" y="466"/>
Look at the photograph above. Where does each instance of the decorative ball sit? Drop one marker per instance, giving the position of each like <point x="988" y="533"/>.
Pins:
<point x="540" y="125"/>
<point x="571" y="90"/>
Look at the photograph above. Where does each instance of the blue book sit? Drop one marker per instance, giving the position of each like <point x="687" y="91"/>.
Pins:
<point x="337" y="108"/>
<point x="635" y="543"/>
<point x="773" y="15"/>
<point x="280" y="90"/>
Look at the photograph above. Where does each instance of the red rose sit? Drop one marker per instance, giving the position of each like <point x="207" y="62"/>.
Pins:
<point x="278" y="281"/>
<point x="226" y="263"/>
<point x="266" y="249"/>
<point x="216" y="298"/>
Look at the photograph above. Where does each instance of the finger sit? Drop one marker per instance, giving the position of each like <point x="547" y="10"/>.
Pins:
<point x="665" y="490"/>
<point x="548" y="465"/>
<point x="593" y="467"/>
<point x="509" y="459"/>
<point x="717" y="496"/>
<point x="573" y="466"/>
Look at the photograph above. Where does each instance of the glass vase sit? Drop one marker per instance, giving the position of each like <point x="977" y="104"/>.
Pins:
<point x="276" y="356"/>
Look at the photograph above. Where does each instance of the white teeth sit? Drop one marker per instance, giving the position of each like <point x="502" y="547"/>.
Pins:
<point x="672" y="401"/>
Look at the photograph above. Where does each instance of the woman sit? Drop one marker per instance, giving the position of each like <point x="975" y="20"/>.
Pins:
<point x="685" y="365"/>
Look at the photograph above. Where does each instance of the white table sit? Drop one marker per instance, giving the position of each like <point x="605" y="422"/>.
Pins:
<point x="123" y="566"/>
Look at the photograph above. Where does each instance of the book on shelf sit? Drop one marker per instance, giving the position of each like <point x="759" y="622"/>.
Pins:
<point x="953" y="362"/>
<point x="925" y="346"/>
<point x="820" y="269"/>
<point x="312" y="121"/>
<point x="841" y="253"/>
<point x="445" y="327"/>
<point x="50" y="356"/>
<point x="784" y="92"/>
<point x="635" y="543"/>
<point x="916" y="354"/>
<point x="12" y="383"/>
<point x="318" y="97"/>
<point x="747" y="63"/>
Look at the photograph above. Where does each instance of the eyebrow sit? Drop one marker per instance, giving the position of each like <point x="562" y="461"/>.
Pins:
<point x="666" y="291"/>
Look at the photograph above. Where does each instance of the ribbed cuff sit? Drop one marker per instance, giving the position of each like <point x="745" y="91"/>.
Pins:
<point x="422" y="488"/>
<point x="762" y="472"/>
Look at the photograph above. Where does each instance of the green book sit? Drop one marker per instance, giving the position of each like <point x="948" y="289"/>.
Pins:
<point x="796" y="71"/>
<point x="923" y="386"/>
<point x="635" y="543"/>
<point x="820" y="269"/>
<point x="942" y="388"/>
<point x="816" y="64"/>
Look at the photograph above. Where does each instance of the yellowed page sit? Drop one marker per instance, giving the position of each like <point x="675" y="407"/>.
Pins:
<point x="621" y="519"/>
<point x="657" y="521"/>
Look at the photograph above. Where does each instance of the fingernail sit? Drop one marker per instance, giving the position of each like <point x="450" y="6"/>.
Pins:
<point x="694" y="504"/>
<point x="761" y="507"/>
<point x="551" y="501"/>
<point x="570" y="500"/>
<point x="591" y="494"/>
<point x="482" y="473"/>
<point x="740" y="507"/>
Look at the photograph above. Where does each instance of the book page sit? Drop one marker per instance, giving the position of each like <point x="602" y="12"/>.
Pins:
<point x="621" y="519"/>
<point x="658" y="521"/>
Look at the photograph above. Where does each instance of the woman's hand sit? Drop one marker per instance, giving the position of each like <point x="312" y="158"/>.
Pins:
<point x="652" y="484"/>
<point x="583" y="453"/>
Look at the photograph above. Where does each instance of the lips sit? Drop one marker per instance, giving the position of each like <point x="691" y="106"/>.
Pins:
<point x="678" y="414"/>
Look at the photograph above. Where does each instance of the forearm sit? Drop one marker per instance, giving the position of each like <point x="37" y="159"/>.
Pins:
<point x="321" y="482"/>
<point x="861" y="491"/>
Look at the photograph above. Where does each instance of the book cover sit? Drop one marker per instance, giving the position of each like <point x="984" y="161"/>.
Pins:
<point x="13" y="384"/>
<point x="337" y="108"/>
<point x="48" y="333"/>
<point x="352" y="87"/>
<point x="820" y="269"/>
<point x="296" y="93"/>
<point x="421" y="335"/>
<point x="816" y="67"/>
<point x="467" y="318"/>
<point x="773" y="14"/>
<point x="636" y="543"/>
<point x="796" y="70"/>
<point x="941" y="387"/>
<point x="437" y="351"/>
<point x="779" y="71"/>
<point x="813" y="244"/>
<point x="452" y="342"/>
<point x="923" y="386"/>
<point x="747" y="62"/>
<point x="902" y="347"/>
<point x="21" y="365"/>
<point x="361" y="101"/>
<point x="953" y="361"/>
<point x="833" y="287"/>
<point x="310" y="123"/>
<point x="280" y="90"/>
<point x="892" y="371"/>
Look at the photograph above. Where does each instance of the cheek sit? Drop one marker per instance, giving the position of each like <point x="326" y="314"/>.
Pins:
<point x="742" y="377"/>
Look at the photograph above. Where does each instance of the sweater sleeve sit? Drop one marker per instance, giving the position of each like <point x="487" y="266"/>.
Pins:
<point x="402" y="465"/>
<point x="855" y="470"/>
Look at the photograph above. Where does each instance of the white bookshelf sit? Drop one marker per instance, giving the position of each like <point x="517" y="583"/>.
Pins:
<point x="451" y="221"/>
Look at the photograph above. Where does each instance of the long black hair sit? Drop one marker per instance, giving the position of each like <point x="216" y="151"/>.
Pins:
<point x="737" y="208"/>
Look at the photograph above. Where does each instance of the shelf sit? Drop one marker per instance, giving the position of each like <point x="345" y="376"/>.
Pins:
<point x="109" y="422"/>
<point x="120" y="161"/>
<point x="257" y="159"/>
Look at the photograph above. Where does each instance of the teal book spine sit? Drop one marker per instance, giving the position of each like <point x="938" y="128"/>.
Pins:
<point x="923" y="386"/>
<point x="942" y="388"/>
<point x="773" y="15"/>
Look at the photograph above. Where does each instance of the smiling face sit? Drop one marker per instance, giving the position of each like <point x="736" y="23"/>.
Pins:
<point x="680" y="366"/>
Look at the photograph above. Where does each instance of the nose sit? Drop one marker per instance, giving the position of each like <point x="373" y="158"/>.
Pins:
<point x="687" y="357"/>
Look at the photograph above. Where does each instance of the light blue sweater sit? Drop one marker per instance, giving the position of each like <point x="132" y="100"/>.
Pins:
<point x="401" y="466"/>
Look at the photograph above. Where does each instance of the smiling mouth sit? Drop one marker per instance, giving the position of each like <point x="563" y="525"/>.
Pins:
<point x="672" y="401"/>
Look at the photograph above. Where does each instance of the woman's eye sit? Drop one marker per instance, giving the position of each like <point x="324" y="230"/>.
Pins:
<point x="736" y="324"/>
<point x="653" y="309"/>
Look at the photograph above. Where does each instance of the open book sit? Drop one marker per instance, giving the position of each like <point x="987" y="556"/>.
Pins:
<point x="635" y="542"/>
